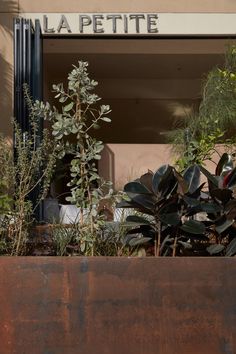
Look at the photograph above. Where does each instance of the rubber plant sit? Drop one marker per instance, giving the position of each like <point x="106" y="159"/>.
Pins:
<point x="179" y="216"/>
<point x="221" y="191"/>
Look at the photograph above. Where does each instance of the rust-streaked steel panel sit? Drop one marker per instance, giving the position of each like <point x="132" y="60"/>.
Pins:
<point x="54" y="305"/>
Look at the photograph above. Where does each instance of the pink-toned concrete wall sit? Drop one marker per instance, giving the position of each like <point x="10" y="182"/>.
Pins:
<point x="122" y="163"/>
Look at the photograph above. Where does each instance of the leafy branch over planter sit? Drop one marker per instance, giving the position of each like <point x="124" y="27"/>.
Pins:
<point x="179" y="216"/>
<point x="72" y="125"/>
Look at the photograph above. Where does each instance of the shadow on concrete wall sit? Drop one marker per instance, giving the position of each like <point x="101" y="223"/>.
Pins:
<point x="8" y="10"/>
<point x="107" y="165"/>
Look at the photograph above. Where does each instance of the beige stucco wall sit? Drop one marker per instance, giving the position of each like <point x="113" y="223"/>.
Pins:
<point x="122" y="163"/>
<point x="128" y="6"/>
<point x="8" y="9"/>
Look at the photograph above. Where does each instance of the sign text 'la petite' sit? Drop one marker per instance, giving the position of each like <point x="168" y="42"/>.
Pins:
<point x="136" y="23"/>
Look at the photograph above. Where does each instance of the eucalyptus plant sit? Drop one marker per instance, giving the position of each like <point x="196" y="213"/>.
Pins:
<point x="72" y="125"/>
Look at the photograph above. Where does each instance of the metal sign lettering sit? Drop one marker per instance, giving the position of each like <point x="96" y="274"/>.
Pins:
<point x="150" y="24"/>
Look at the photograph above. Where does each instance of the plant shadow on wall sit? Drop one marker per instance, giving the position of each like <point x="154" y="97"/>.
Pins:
<point x="6" y="68"/>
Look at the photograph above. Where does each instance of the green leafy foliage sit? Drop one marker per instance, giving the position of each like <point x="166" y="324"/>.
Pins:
<point x="27" y="168"/>
<point x="72" y="127"/>
<point x="179" y="217"/>
<point x="195" y="139"/>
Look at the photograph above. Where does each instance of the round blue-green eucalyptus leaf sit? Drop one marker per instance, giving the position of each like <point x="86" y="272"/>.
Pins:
<point x="68" y="107"/>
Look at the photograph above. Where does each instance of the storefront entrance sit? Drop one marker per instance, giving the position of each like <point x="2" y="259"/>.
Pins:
<point x="150" y="84"/>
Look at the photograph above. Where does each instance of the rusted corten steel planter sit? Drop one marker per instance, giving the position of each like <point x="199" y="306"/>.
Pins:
<point x="54" y="305"/>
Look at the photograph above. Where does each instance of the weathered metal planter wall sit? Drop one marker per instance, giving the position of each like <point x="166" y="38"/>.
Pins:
<point x="117" y="305"/>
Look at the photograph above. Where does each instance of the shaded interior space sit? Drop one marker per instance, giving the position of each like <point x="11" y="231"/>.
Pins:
<point x="150" y="84"/>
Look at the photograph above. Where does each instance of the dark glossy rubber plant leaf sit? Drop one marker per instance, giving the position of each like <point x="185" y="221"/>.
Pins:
<point x="224" y="165"/>
<point x="146" y="180"/>
<point x="182" y="185"/>
<point x="192" y="211"/>
<point x="169" y="205"/>
<point x="137" y="219"/>
<point x="222" y="195"/>
<point x="225" y="180"/>
<point x="209" y="176"/>
<point x="231" y="248"/>
<point x="132" y="205"/>
<point x="145" y="201"/>
<point x="198" y="192"/>
<point x="211" y="208"/>
<point x="223" y="225"/>
<point x="230" y="209"/>
<point x="192" y="202"/>
<point x="147" y="231"/>
<point x="192" y="178"/>
<point x="135" y="188"/>
<point x="134" y="231"/>
<point x="193" y="227"/>
<point x="163" y="171"/>
<point x="171" y="219"/>
<point x="168" y="184"/>
<point x="215" y="249"/>
<point x="231" y="180"/>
